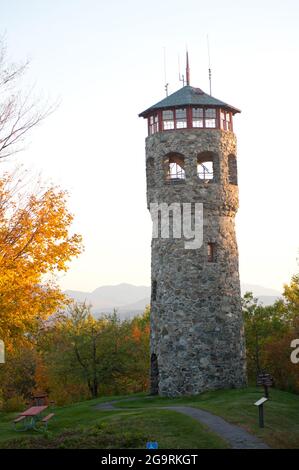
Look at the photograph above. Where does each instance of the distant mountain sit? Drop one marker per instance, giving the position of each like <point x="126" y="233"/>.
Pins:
<point x="116" y="296"/>
<point x="265" y="295"/>
<point x="140" y="305"/>
<point x="267" y="299"/>
<point x="77" y="295"/>
<point x="130" y="300"/>
<point x="259" y="290"/>
<point x="124" y="297"/>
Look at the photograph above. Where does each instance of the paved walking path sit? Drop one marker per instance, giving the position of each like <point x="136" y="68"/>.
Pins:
<point x="236" y="437"/>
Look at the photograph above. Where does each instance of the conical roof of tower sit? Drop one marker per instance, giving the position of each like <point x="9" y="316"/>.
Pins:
<point x="188" y="95"/>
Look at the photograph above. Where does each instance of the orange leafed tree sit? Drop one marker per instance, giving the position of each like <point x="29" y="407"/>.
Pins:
<point x="35" y="243"/>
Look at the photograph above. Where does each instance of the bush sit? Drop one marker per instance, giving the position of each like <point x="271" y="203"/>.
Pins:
<point x="68" y="393"/>
<point x="16" y="403"/>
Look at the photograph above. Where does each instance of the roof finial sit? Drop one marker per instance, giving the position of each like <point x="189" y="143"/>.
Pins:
<point x="187" y="69"/>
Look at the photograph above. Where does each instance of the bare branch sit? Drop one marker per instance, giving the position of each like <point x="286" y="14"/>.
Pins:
<point x="19" y="113"/>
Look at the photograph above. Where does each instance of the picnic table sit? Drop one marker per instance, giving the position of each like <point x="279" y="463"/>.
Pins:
<point x="31" y="416"/>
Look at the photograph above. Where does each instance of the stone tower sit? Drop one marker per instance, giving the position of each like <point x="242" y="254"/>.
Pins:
<point x="197" y="340"/>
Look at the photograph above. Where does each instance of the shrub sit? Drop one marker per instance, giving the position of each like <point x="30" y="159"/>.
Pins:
<point x="17" y="403"/>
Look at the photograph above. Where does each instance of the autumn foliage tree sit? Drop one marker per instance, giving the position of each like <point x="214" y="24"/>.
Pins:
<point x="35" y="243"/>
<point x="35" y="238"/>
<point x="270" y="331"/>
<point x="34" y="227"/>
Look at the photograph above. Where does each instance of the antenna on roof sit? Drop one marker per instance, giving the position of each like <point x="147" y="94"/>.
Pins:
<point x="165" y="79"/>
<point x="210" y="70"/>
<point x="187" y="69"/>
<point x="181" y="77"/>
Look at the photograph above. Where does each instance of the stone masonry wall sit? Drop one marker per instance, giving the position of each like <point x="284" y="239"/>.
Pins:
<point x="197" y="336"/>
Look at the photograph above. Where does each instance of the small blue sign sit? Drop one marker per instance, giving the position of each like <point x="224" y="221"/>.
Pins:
<point x="152" y="445"/>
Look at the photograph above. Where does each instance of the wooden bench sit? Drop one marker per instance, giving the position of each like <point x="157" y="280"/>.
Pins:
<point x="17" y="420"/>
<point x="47" y="418"/>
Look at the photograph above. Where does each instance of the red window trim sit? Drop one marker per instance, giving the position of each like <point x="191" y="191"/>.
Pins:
<point x="231" y="120"/>
<point x="189" y="118"/>
<point x="211" y="252"/>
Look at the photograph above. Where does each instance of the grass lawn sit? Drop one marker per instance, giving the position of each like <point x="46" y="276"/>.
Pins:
<point x="236" y="406"/>
<point x="82" y="426"/>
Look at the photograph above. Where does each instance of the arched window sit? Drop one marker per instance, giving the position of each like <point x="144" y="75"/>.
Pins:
<point x="150" y="171"/>
<point x="205" y="166"/>
<point x="174" y="165"/>
<point x="232" y="170"/>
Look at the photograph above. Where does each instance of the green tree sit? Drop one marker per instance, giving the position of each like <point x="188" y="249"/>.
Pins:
<point x="291" y="296"/>
<point x="96" y="351"/>
<point x="263" y="325"/>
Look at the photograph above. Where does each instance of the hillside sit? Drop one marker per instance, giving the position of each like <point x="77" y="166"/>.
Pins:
<point x="130" y="300"/>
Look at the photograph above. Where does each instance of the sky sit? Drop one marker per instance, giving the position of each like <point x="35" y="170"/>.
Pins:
<point x="104" y="63"/>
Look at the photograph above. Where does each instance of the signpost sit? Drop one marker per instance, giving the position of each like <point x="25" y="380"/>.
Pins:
<point x="266" y="380"/>
<point x="260" y="405"/>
